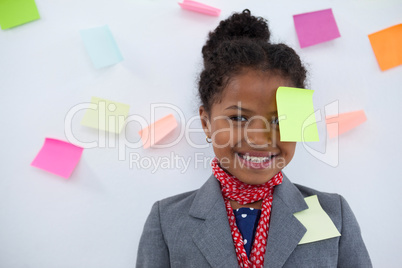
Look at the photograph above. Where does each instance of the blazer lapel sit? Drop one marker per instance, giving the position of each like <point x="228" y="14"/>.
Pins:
<point x="285" y="231"/>
<point x="213" y="237"/>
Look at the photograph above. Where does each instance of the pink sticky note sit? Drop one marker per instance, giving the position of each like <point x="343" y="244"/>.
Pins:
<point x="337" y="125"/>
<point x="201" y="8"/>
<point x="155" y="132"/>
<point x="58" y="157"/>
<point x="315" y="27"/>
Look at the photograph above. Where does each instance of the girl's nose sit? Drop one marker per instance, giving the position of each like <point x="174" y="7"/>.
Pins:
<point x="262" y="140"/>
<point x="259" y="134"/>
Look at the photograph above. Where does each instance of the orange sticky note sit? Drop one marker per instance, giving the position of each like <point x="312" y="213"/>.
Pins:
<point x="200" y="8"/>
<point x="387" y="46"/>
<point x="58" y="157"/>
<point x="155" y="132"/>
<point x="337" y="125"/>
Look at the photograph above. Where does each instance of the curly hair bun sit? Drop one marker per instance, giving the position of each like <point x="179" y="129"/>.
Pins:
<point x="239" y="43"/>
<point x="238" y="26"/>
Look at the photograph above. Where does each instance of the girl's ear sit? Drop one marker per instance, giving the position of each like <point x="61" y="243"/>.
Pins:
<point x="206" y="125"/>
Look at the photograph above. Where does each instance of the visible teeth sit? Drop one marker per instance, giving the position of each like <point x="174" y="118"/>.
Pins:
<point x="256" y="159"/>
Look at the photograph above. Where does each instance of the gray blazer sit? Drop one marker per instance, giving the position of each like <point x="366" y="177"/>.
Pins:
<point x="192" y="230"/>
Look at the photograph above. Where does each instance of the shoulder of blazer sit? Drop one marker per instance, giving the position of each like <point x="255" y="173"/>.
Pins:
<point x="196" y="203"/>
<point x="175" y="207"/>
<point x="172" y="208"/>
<point x="323" y="197"/>
<point x="179" y="201"/>
<point x="331" y="203"/>
<point x="306" y="191"/>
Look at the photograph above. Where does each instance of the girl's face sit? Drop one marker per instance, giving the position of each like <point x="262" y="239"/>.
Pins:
<point x="244" y="127"/>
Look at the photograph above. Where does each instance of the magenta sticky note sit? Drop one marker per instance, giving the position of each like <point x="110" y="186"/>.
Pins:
<point x="316" y="27"/>
<point x="58" y="157"/>
<point x="200" y="8"/>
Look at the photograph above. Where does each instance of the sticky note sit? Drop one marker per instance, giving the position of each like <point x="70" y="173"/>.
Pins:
<point x="315" y="27"/>
<point x="337" y="125"/>
<point x="17" y="12"/>
<point x="296" y="114"/>
<point x="317" y="222"/>
<point x="58" y="157"/>
<point x="387" y="46"/>
<point x="200" y="8"/>
<point x="101" y="46"/>
<point x="106" y="115"/>
<point x="155" y="132"/>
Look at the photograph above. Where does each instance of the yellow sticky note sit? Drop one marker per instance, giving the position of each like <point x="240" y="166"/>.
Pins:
<point x="317" y="222"/>
<point x="296" y="114"/>
<point x="106" y="115"/>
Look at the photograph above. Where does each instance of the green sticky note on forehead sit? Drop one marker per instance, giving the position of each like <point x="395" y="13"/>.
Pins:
<point x="17" y="12"/>
<point x="296" y="114"/>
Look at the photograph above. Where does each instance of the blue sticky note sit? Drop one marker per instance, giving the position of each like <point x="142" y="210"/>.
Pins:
<point x="101" y="46"/>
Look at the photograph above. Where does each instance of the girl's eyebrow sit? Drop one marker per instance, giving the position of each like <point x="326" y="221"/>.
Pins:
<point x="235" y="107"/>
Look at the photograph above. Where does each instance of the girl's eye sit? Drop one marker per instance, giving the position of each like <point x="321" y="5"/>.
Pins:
<point x="275" y="121"/>
<point x="238" y="118"/>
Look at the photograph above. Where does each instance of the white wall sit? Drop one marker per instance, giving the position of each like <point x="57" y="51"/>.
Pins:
<point x="95" y="218"/>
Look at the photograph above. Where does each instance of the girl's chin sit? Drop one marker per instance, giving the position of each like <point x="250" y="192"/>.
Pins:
<point x="252" y="178"/>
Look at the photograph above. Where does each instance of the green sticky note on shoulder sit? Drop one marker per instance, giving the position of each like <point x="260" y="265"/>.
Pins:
<point x="296" y="114"/>
<point x="106" y="115"/>
<point x="317" y="222"/>
<point x="17" y="12"/>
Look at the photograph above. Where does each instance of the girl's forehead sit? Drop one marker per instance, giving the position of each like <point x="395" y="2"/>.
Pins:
<point x="253" y="88"/>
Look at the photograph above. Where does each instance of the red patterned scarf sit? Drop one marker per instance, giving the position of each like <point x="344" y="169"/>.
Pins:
<point x="234" y="189"/>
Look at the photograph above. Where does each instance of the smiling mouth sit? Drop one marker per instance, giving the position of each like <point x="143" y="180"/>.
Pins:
<point x="256" y="159"/>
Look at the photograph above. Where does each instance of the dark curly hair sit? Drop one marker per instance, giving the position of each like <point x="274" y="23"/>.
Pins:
<point x="242" y="42"/>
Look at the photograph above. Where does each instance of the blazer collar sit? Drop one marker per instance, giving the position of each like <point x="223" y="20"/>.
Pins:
<point x="214" y="238"/>
<point x="285" y="231"/>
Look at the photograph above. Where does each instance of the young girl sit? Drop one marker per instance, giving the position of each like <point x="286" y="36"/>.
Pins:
<point x="243" y="216"/>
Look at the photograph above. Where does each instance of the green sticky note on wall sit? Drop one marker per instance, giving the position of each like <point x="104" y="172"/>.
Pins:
<point x="17" y="12"/>
<point x="106" y="115"/>
<point x="296" y="114"/>
<point x="317" y="222"/>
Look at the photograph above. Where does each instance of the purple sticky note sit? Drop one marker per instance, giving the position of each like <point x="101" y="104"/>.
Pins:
<point x="58" y="157"/>
<point x="316" y="27"/>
